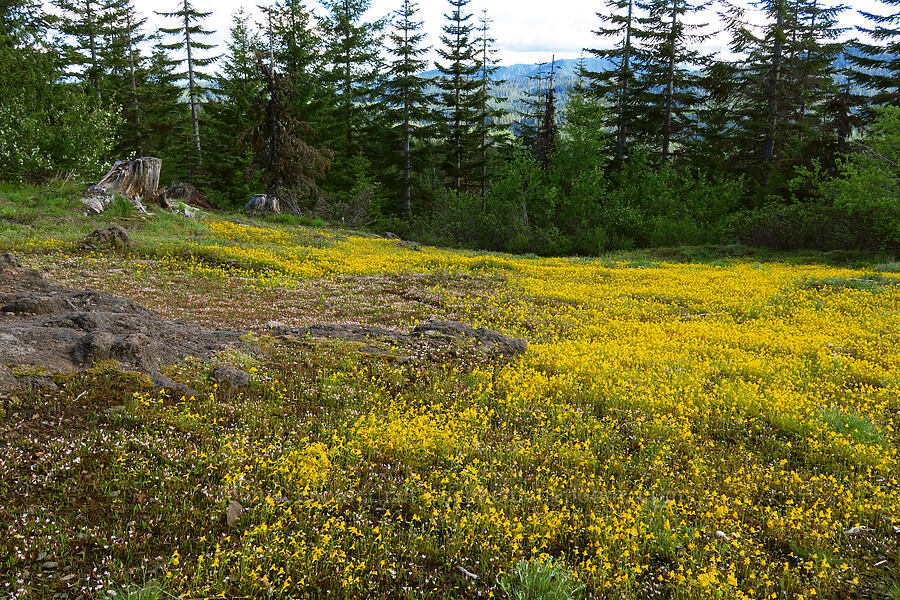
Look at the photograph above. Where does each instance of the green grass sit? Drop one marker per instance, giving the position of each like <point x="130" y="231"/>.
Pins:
<point x="856" y="426"/>
<point x="535" y="580"/>
<point x="875" y="282"/>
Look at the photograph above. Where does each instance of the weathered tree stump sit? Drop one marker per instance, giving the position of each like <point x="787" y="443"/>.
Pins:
<point x="186" y="193"/>
<point x="131" y="179"/>
<point x="261" y="203"/>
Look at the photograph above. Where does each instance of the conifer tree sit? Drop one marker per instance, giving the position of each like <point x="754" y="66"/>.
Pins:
<point x="239" y="83"/>
<point x="164" y="120"/>
<point x="189" y="32"/>
<point x="760" y="72"/>
<point x="354" y="67"/>
<point x="669" y="44"/>
<point x="717" y="117"/>
<point x="126" y="70"/>
<point x="532" y="110"/>
<point x="84" y="23"/>
<point x="290" y="167"/>
<point x="547" y="135"/>
<point x="296" y="49"/>
<point x="877" y="60"/>
<point x="488" y="127"/>
<point x="813" y="77"/>
<point x="619" y="84"/>
<point x="785" y="76"/>
<point x="459" y="87"/>
<point x="405" y="94"/>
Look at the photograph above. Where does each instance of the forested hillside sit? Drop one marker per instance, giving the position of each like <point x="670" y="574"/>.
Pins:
<point x="790" y="141"/>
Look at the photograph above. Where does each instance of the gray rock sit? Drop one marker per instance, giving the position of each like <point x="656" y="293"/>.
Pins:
<point x="230" y="376"/>
<point x="60" y="329"/>
<point x="161" y="383"/>
<point x="36" y="384"/>
<point x="39" y="305"/>
<point x="233" y="512"/>
<point x="410" y="246"/>
<point x="113" y="237"/>
<point x="92" y="347"/>
<point x="8" y="382"/>
<point x="49" y="566"/>
<point x="114" y="410"/>
<point x="8" y="261"/>
<point x="487" y="339"/>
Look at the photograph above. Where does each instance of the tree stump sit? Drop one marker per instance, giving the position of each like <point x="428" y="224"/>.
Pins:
<point x="186" y="193"/>
<point x="261" y="203"/>
<point x="131" y="179"/>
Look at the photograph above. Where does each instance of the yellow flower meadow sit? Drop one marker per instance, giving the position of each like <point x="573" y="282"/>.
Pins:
<point x="675" y="430"/>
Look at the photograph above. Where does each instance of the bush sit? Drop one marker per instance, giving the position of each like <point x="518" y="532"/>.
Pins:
<point x="71" y="135"/>
<point x="801" y="226"/>
<point x="868" y="184"/>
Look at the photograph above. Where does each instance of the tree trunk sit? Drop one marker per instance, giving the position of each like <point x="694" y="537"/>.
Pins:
<point x="622" y="134"/>
<point x="774" y="81"/>
<point x="134" y="95"/>
<point x="192" y="93"/>
<point x="670" y="85"/>
<point x="131" y="179"/>
<point x="407" y="167"/>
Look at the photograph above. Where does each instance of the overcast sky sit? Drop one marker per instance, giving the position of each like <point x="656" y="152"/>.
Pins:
<point x="527" y="31"/>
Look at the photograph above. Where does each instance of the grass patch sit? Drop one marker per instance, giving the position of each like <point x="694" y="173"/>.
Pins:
<point x="537" y="580"/>
<point x="857" y="427"/>
<point x="887" y="267"/>
<point x="872" y="283"/>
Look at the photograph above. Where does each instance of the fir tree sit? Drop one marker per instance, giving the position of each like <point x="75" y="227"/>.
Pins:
<point x="352" y="53"/>
<point x="190" y="32"/>
<point x="785" y="77"/>
<point x="296" y="48"/>
<point x="532" y="110"/>
<point x="619" y="84"/>
<point x="669" y="44"/>
<point x="877" y="62"/>
<point x="239" y="83"/>
<point x="125" y="64"/>
<point x="290" y="167"/>
<point x="488" y="127"/>
<point x="84" y="23"/>
<point x="547" y="135"/>
<point x="164" y="118"/>
<point x="410" y="111"/>
<point x="459" y="89"/>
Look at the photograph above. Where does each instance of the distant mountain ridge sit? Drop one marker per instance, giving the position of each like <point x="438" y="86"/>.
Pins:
<point x="517" y="83"/>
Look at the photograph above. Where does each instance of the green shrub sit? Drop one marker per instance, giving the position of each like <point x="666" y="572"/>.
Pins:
<point x="869" y="178"/>
<point x="803" y="225"/>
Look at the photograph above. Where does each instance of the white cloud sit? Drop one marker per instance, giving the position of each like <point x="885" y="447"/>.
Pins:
<point x="526" y="30"/>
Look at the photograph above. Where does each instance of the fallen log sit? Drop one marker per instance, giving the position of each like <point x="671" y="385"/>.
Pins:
<point x="133" y="180"/>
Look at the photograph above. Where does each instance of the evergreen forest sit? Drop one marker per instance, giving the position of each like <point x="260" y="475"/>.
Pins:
<point x="789" y="140"/>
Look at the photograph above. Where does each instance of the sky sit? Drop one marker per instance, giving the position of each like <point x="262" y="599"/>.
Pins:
<point x="526" y="30"/>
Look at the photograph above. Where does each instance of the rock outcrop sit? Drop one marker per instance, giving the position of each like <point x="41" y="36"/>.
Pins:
<point x="43" y="323"/>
